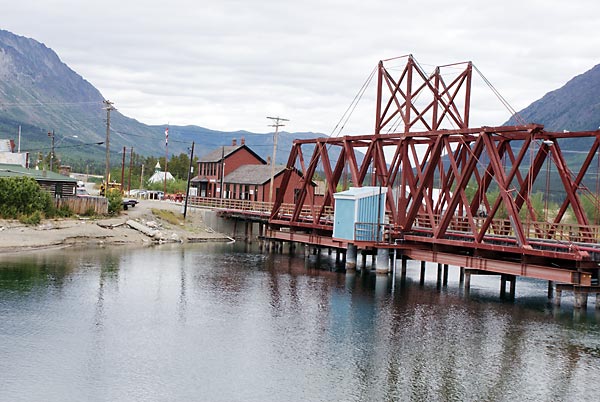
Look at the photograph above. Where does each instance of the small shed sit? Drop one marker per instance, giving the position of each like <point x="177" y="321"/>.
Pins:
<point x="57" y="185"/>
<point x="358" y="212"/>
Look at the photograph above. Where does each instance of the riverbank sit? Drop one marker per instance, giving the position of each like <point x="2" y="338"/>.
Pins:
<point x="149" y="222"/>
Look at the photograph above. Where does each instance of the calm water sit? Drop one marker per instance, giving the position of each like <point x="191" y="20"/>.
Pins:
<point x="217" y="323"/>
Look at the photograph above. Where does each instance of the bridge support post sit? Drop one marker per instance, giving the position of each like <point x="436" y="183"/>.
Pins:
<point x="382" y="263"/>
<point x="580" y="299"/>
<point x="403" y="269"/>
<point x="461" y="276"/>
<point x="422" y="279"/>
<point x="467" y="281"/>
<point x="439" y="274"/>
<point x="550" y="289"/>
<point x="248" y="231"/>
<point x="306" y="251"/>
<point x="557" y="297"/>
<point x="513" y="286"/>
<point x="512" y="279"/>
<point x="351" y="257"/>
<point x="445" y="280"/>
<point x="363" y="263"/>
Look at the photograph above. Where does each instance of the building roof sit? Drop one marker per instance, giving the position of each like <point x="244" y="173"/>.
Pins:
<point x="215" y="156"/>
<point x="197" y="179"/>
<point x="7" y="170"/>
<point x="159" y="176"/>
<point x="252" y="174"/>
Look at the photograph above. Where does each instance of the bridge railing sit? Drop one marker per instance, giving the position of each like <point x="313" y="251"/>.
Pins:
<point x="307" y="213"/>
<point x="564" y="232"/>
<point x="258" y="207"/>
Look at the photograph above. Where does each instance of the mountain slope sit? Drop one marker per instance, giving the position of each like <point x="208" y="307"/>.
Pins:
<point x="573" y="107"/>
<point x="40" y="93"/>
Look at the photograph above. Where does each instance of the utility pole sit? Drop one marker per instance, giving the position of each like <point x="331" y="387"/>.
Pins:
<point x="123" y="171"/>
<point x="166" y="159"/>
<point x="130" y="168"/>
<point x="51" y="135"/>
<point x="222" y="171"/>
<point x="276" y="124"/>
<point x="109" y="107"/>
<point x="187" y="190"/>
<point x="142" y="178"/>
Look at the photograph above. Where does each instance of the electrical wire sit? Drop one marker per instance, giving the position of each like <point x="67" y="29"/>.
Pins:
<point x="504" y="102"/>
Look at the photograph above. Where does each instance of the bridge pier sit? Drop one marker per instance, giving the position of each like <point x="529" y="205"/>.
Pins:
<point x="382" y="262"/>
<point x="461" y="276"/>
<point x="512" y="279"/>
<point x="445" y="279"/>
<point x="467" y="281"/>
<point x="403" y="269"/>
<point x="363" y="263"/>
<point x="422" y="279"/>
<point x="351" y="257"/>
<point x="581" y="299"/>
<point x="550" y="289"/>
<point x="439" y="275"/>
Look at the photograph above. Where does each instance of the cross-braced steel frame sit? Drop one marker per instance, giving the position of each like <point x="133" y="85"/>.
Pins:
<point x="476" y="191"/>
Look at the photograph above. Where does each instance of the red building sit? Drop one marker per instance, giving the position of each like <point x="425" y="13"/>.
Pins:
<point x="212" y="168"/>
<point x="243" y="175"/>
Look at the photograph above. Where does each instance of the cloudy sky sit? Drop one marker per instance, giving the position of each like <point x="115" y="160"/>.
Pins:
<point x="227" y="64"/>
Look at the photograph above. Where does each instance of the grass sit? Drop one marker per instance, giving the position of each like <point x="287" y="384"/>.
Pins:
<point x="168" y="216"/>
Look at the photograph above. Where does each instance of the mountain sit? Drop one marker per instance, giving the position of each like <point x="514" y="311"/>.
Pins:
<point x="41" y="94"/>
<point x="573" y="107"/>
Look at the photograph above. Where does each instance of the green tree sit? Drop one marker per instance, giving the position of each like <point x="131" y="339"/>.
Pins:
<point x="22" y="196"/>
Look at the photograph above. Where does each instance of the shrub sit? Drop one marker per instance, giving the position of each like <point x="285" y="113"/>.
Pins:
<point x="22" y="196"/>
<point x="33" y="219"/>
<point x="115" y="201"/>
<point x="90" y="212"/>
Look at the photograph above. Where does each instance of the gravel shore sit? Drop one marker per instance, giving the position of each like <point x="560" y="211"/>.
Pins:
<point x="16" y="237"/>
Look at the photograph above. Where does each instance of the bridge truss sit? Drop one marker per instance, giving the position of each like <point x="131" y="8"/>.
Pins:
<point x="503" y="196"/>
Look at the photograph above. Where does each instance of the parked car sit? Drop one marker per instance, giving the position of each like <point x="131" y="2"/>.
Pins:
<point x="81" y="192"/>
<point x="129" y="202"/>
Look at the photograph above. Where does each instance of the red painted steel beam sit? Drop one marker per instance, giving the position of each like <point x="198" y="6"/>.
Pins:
<point x="503" y="267"/>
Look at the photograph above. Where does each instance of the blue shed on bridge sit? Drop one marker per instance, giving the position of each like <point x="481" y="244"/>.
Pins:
<point x="358" y="211"/>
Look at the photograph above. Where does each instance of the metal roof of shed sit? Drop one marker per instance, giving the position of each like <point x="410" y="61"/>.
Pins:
<point x="7" y="170"/>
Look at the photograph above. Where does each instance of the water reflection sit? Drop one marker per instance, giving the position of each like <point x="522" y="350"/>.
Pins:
<point x="224" y="322"/>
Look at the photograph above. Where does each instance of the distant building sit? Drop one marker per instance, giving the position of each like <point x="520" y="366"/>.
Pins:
<point x="9" y="156"/>
<point x="219" y="163"/>
<point x="159" y="176"/>
<point x="243" y="175"/>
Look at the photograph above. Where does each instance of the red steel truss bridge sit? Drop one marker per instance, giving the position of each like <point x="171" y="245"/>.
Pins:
<point x="509" y="200"/>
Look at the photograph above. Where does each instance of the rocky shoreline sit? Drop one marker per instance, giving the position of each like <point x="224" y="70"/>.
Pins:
<point x="136" y="226"/>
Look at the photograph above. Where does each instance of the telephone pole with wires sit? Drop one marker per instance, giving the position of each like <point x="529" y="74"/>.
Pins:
<point x="276" y="123"/>
<point x="109" y="107"/>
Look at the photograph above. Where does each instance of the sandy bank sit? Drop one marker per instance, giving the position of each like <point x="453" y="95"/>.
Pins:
<point x="17" y="237"/>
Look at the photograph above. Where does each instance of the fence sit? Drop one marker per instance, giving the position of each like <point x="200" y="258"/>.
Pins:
<point x="84" y="205"/>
